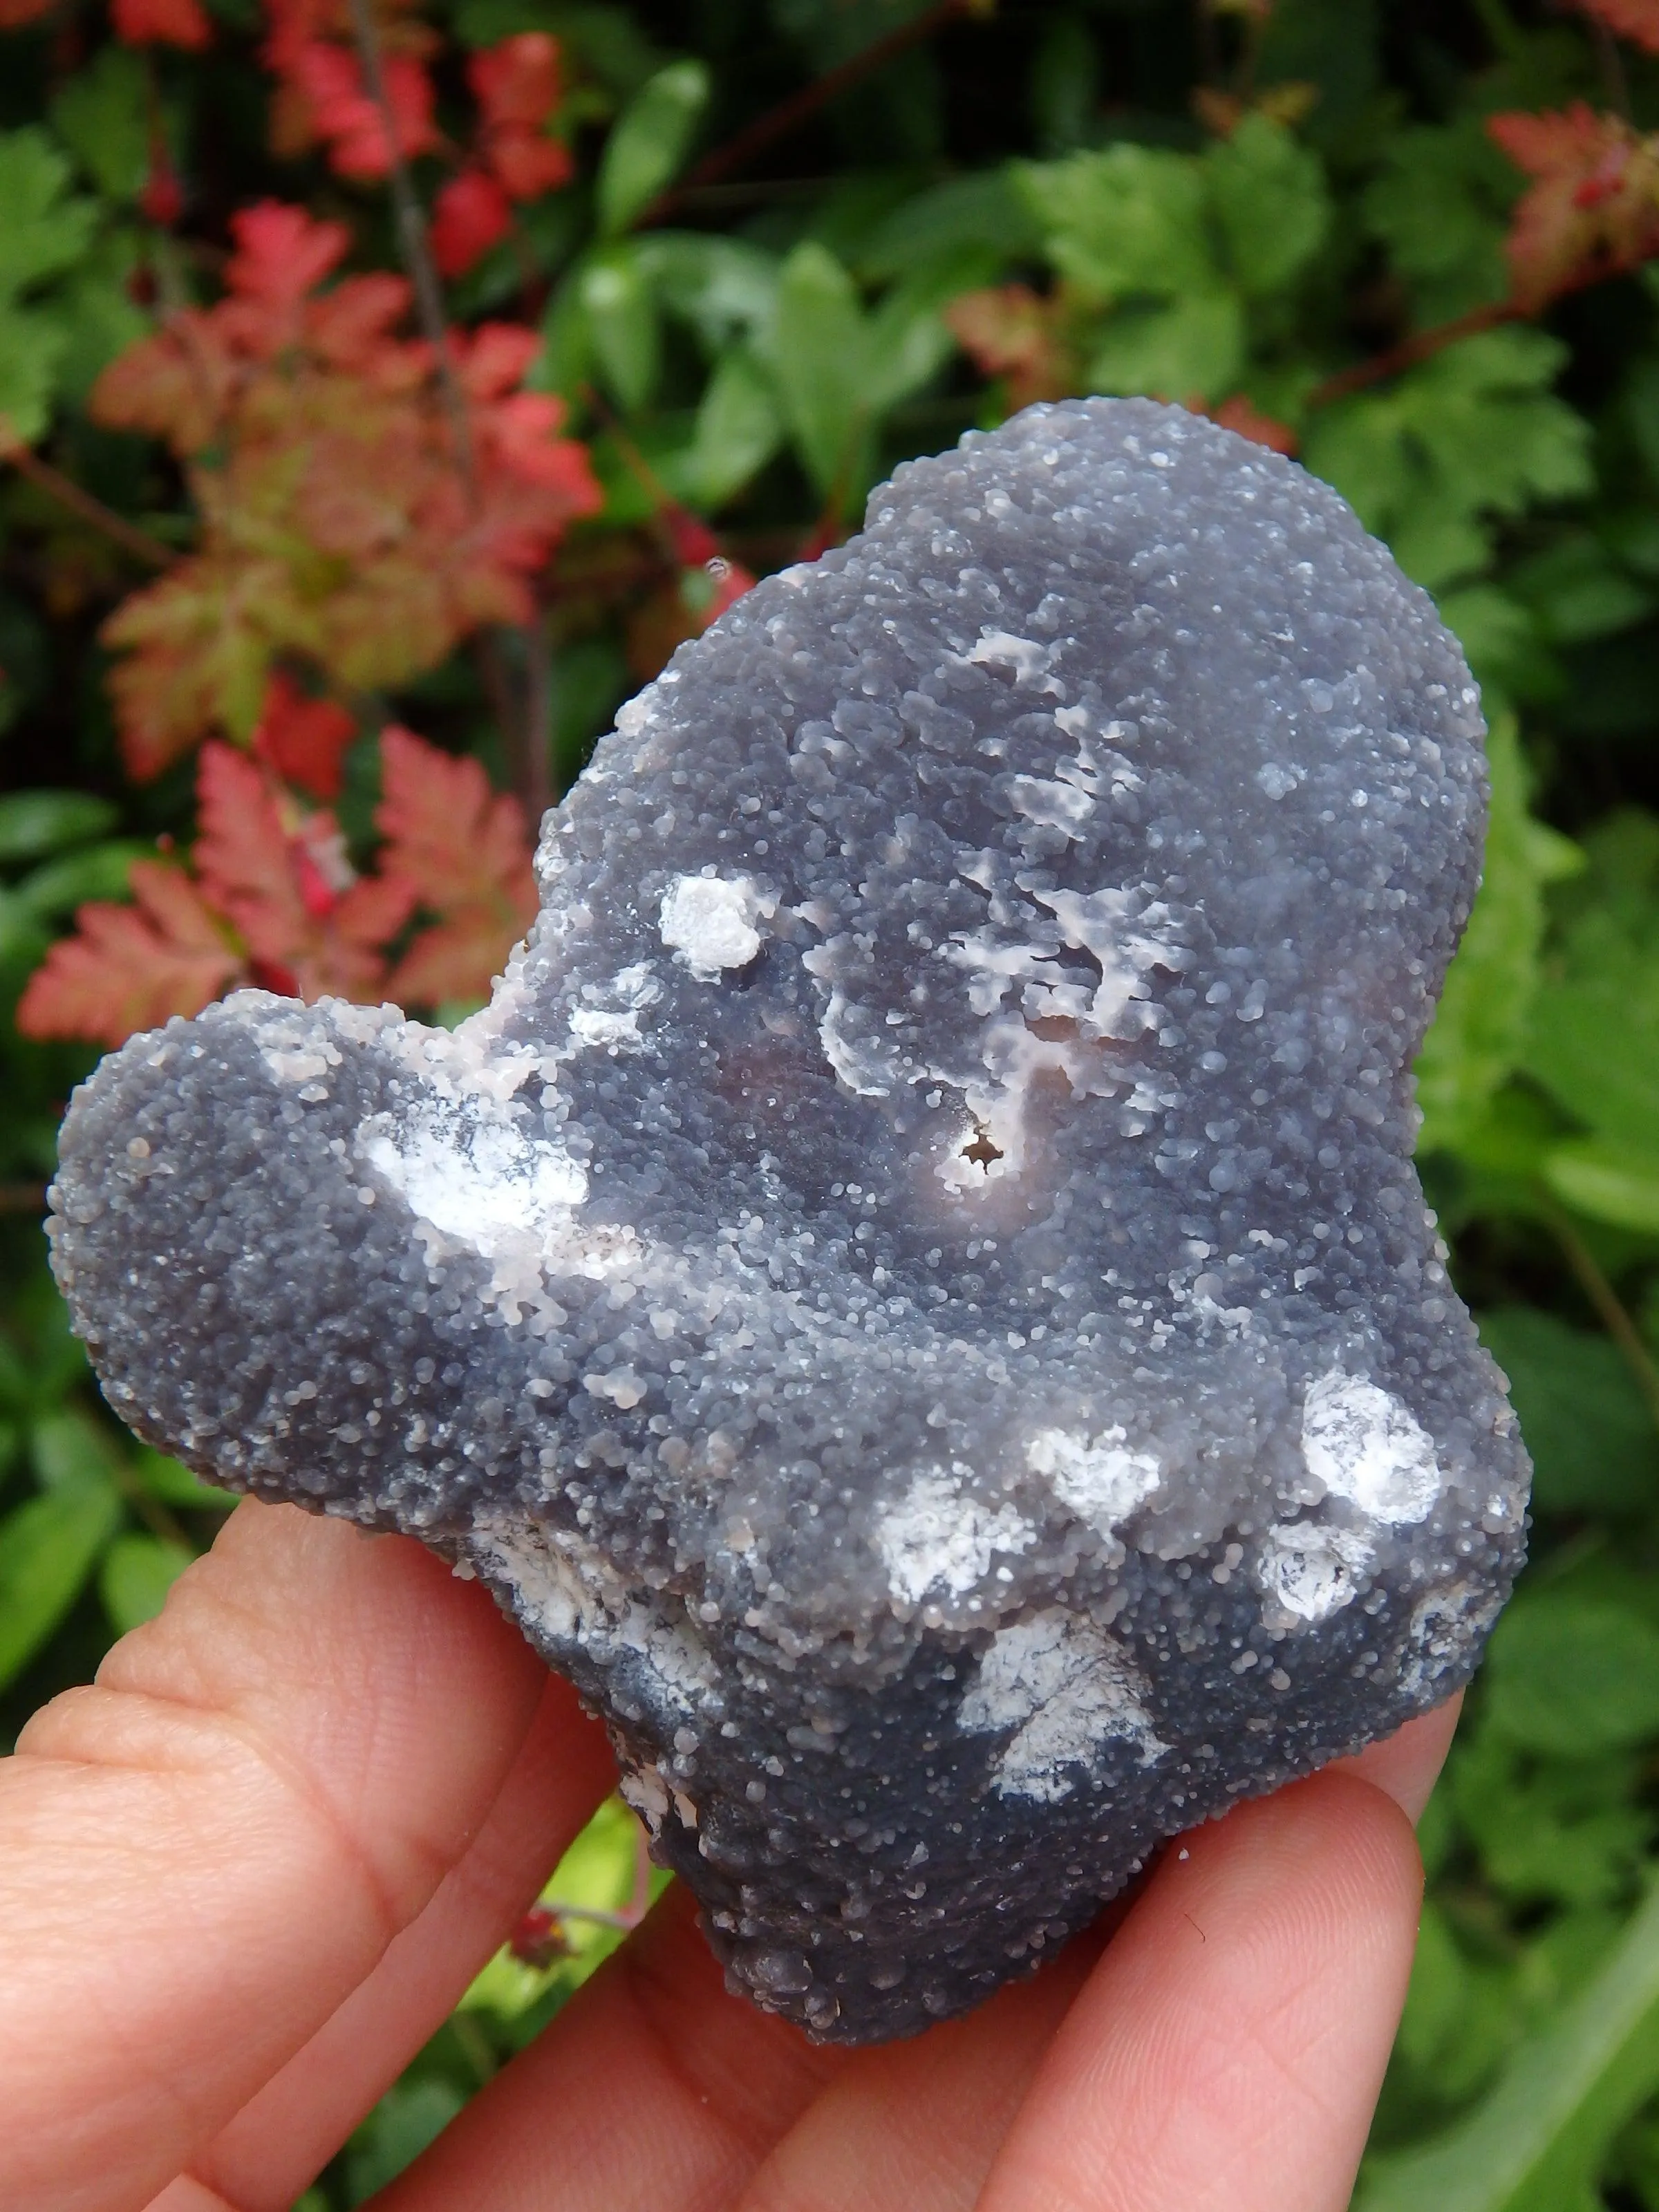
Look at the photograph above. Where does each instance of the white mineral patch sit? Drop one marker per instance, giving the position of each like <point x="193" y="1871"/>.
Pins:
<point x="1068" y="1689"/>
<point x="1364" y="1445"/>
<point x="1100" y="1480"/>
<point x="1443" y="1627"/>
<point x="1050" y="806"/>
<point x="566" y="1594"/>
<point x="709" y="922"/>
<point x="1027" y="659"/>
<point x="610" y="1016"/>
<point x="1309" y="1571"/>
<point x="478" y="1178"/>
<point x="941" y="1537"/>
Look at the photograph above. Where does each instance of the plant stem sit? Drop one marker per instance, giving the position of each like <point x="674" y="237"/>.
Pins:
<point x="779" y="121"/>
<point x="67" y="493"/>
<point x="1610" y="1308"/>
<point x="412" y="238"/>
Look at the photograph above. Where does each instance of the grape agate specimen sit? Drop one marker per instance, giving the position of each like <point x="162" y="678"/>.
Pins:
<point x="914" y="1292"/>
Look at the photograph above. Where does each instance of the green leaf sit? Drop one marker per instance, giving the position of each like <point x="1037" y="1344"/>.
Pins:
<point x="32" y="345"/>
<point x="737" y="431"/>
<point x="648" y="143"/>
<point x="1471" y="434"/>
<point x="35" y="823"/>
<point x="1480" y="1031"/>
<point x="1440" y="203"/>
<point x="136" y="1574"/>
<point x="1593" y="1039"/>
<point x="1591" y="1437"/>
<point x="622" y="325"/>
<point x="1193" y="349"/>
<point x="818" y="357"/>
<point x="1537" y="2142"/>
<point x="70" y="1449"/>
<point x="174" y="1484"/>
<point x="1610" y="1183"/>
<point x="47" y="1548"/>
<point x="44" y="232"/>
<point x="1270" y="200"/>
<point x="409" y="2117"/>
<point x="99" y="873"/>
<point x="726" y="289"/>
<point x="1570" y="1677"/>
<point x="986" y="210"/>
<point x="1129" y="219"/>
<point x="102" y="115"/>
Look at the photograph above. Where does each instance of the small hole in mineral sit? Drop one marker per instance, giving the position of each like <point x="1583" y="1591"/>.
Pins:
<point x="982" y="1151"/>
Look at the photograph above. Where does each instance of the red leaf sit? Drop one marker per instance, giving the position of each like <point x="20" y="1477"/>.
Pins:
<point x="1636" y="20"/>
<point x="242" y="855"/>
<point x="463" y="851"/>
<point x="129" y="968"/>
<point x="343" y="112"/>
<point x="162" y="199"/>
<point x="1009" y="330"/>
<point x="14" y="14"/>
<point x="469" y="215"/>
<point x="1238" y="414"/>
<point x="281" y="253"/>
<point x="528" y="162"/>
<point x="303" y="740"/>
<point x="1595" y="204"/>
<point x="161" y="22"/>
<point x="518" y="80"/>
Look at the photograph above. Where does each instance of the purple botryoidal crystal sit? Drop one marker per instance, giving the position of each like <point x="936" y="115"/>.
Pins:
<point x="914" y="1293"/>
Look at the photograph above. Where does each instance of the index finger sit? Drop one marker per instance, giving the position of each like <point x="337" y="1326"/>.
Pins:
<point x="203" y="1853"/>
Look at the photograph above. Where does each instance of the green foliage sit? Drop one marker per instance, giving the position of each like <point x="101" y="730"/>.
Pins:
<point x="1284" y="241"/>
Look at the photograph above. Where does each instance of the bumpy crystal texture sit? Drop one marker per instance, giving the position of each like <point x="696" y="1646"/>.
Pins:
<point x="914" y="1293"/>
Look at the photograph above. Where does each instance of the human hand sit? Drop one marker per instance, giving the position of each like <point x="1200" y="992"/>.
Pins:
<point x="246" y="1876"/>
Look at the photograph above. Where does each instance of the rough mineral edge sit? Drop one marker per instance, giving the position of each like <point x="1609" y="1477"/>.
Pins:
<point x="914" y="1293"/>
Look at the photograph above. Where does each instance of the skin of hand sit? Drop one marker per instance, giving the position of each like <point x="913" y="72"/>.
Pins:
<point x="248" y="1872"/>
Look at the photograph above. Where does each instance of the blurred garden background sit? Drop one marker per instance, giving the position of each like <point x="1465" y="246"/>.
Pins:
<point x="387" y="386"/>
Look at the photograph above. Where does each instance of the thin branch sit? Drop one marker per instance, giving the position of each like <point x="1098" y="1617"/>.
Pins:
<point x="1609" y="1307"/>
<point x="778" y="122"/>
<point x="67" y="493"/>
<point x="412" y="238"/>
<point x="22" y="1198"/>
<point x="1422" y="345"/>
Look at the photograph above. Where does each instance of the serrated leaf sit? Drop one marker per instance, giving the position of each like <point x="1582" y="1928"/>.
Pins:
<point x="35" y="823"/>
<point x="1440" y="202"/>
<point x="47" y="1549"/>
<point x="464" y="852"/>
<point x="45" y="231"/>
<point x="1129" y="219"/>
<point x="649" y="142"/>
<point x="1480" y="1031"/>
<point x="1571" y="1677"/>
<point x="128" y="968"/>
<point x="135" y="1576"/>
<point x="102" y="115"/>
<point x="32" y="344"/>
<point x="1193" y="349"/>
<point x="1270" y="200"/>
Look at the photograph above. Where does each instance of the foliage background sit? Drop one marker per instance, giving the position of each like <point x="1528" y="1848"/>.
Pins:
<point x="686" y="280"/>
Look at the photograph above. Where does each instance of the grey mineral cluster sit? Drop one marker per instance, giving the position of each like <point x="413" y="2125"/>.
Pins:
<point x="914" y="1293"/>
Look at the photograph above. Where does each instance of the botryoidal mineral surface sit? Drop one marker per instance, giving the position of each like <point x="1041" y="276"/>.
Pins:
<point x="914" y="1293"/>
